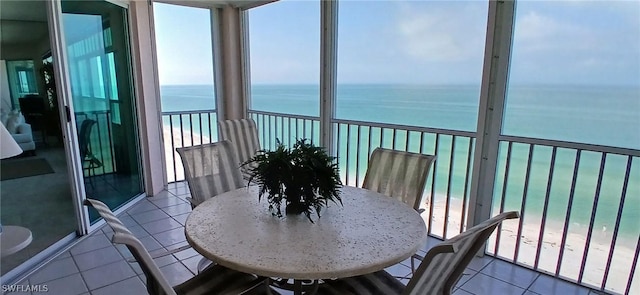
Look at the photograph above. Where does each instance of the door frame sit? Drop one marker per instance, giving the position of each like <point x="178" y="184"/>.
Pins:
<point x="68" y="122"/>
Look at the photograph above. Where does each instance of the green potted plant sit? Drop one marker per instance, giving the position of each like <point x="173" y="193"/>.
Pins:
<point x="304" y="177"/>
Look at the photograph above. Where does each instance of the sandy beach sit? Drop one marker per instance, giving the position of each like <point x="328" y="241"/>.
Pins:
<point x="176" y="141"/>
<point x="598" y="248"/>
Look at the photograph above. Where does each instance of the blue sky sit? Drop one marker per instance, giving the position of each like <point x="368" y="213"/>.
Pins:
<point x="183" y="41"/>
<point x="425" y="42"/>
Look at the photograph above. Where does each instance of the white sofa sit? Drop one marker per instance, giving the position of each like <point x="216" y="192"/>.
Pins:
<point x="19" y="130"/>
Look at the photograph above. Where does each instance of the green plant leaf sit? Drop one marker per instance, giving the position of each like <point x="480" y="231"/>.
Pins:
<point x="304" y="177"/>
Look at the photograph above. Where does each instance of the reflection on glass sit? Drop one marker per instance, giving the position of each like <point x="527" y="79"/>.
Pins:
<point x="35" y="192"/>
<point x="22" y="79"/>
<point x="103" y="100"/>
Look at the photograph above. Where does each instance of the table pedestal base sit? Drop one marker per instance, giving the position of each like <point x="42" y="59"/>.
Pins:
<point x="299" y="287"/>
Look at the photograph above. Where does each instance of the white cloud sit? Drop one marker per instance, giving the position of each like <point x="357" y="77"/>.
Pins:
<point x="538" y="32"/>
<point x="424" y="42"/>
<point x="441" y="31"/>
<point x="577" y="42"/>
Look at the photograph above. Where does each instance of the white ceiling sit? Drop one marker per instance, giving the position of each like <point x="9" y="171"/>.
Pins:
<point x="22" y="22"/>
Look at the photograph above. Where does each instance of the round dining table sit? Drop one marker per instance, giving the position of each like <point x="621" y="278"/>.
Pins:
<point x="368" y="233"/>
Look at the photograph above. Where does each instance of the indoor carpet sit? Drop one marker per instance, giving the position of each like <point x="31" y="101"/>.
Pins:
<point x="18" y="168"/>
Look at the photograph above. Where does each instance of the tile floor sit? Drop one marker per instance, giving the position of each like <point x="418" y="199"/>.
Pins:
<point x="95" y="266"/>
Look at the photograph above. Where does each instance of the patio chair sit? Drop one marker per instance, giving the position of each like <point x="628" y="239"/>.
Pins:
<point x="438" y="273"/>
<point x="397" y="174"/>
<point x="400" y="175"/>
<point x="243" y="134"/>
<point x="210" y="169"/>
<point x="214" y="280"/>
<point x="89" y="160"/>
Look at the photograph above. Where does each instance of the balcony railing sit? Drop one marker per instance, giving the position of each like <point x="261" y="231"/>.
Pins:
<point x="186" y="128"/>
<point x="579" y="208"/>
<point x="579" y="203"/>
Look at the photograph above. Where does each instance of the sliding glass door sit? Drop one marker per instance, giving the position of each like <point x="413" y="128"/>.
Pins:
<point x="96" y="39"/>
<point x="35" y="191"/>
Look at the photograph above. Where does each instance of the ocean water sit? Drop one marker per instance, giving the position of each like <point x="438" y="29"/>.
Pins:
<point x="600" y="115"/>
<point x="604" y="115"/>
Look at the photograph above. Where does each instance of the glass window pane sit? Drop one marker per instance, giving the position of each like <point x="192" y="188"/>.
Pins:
<point x="85" y="86"/>
<point x="185" y="72"/>
<point x="575" y="77"/>
<point x="35" y="187"/>
<point x="285" y="57"/>
<point x="97" y="80"/>
<point x="112" y="75"/>
<point x="24" y="84"/>
<point x="575" y="72"/>
<point x="411" y="62"/>
<point x="75" y="81"/>
<point x="107" y="133"/>
<point x="186" y="76"/>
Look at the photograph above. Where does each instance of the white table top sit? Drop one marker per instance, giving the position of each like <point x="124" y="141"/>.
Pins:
<point x="13" y="239"/>
<point x="370" y="233"/>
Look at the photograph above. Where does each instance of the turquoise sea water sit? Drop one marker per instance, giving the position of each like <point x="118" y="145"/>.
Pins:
<point x="601" y="115"/>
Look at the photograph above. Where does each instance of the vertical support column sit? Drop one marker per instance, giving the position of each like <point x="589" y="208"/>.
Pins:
<point x="232" y="103"/>
<point x="492" y="98"/>
<point x="328" y="69"/>
<point x="216" y="52"/>
<point x="146" y="87"/>
<point x="245" y="62"/>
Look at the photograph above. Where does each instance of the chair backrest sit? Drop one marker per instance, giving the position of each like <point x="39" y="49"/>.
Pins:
<point x="210" y="169"/>
<point x="397" y="174"/>
<point x="156" y="282"/>
<point x="84" y="137"/>
<point x="444" y="264"/>
<point x="243" y="135"/>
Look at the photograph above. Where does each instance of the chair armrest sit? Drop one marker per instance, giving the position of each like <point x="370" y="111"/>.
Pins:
<point x="24" y="128"/>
